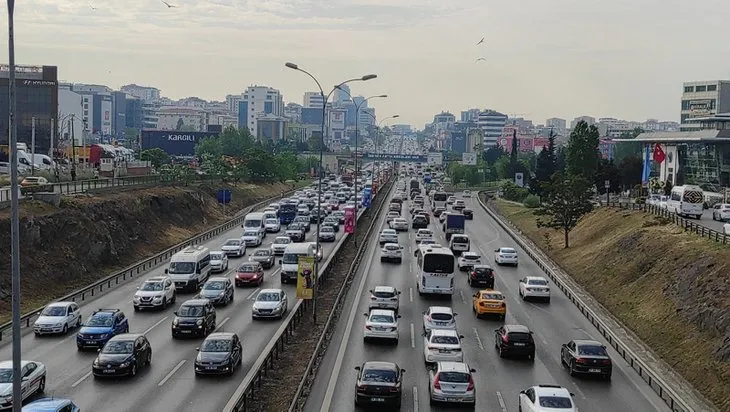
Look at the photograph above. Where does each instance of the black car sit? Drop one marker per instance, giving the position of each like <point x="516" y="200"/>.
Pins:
<point x="379" y="383"/>
<point x="296" y="232"/>
<point x="327" y="234"/>
<point x="218" y="290"/>
<point x="303" y="221"/>
<point x="220" y="353"/>
<point x="340" y="215"/>
<point x="419" y="222"/>
<point x="317" y="215"/>
<point x="123" y="355"/>
<point x="195" y="317"/>
<point x="265" y="257"/>
<point x="438" y="210"/>
<point x="514" y="340"/>
<point x="468" y="213"/>
<point x="482" y="276"/>
<point x="332" y="221"/>
<point x="586" y="357"/>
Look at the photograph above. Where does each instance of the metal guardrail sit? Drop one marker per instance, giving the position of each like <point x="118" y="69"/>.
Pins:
<point x="139" y="268"/>
<point x="253" y="380"/>
<point x="684" y="223"/>
<point x="300" y="398"/>
<point x="667" y="393"/>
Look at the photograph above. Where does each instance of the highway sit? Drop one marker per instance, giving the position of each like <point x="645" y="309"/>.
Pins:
<point x="498" y="381"/>
<point x="169" y="384"/>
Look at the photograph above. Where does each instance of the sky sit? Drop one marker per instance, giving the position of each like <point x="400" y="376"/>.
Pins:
<point x="543" y="58"/>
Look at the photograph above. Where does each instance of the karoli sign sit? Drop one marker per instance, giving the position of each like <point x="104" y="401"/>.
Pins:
<point x="181" y="138"/>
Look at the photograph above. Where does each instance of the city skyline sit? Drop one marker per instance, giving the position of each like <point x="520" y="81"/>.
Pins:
<point x="545" y="60"/>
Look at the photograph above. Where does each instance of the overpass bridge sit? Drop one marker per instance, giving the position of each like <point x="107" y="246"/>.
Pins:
<point x="335" y="160"/>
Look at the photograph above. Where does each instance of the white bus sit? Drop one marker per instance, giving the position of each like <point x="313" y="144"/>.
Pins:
<point x="687" y="200"/>
<point x="435" y="270"/>
<point x="439" y="199"/>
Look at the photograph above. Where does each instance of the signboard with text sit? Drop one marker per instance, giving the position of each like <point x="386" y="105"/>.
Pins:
<point x="174" y="143"/>
<point x="305" y="277"/>
<point x="395" y="157"/>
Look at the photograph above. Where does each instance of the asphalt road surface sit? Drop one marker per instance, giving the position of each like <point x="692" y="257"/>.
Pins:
<point x="498" y="381"/>
<point x="170" y="383"/>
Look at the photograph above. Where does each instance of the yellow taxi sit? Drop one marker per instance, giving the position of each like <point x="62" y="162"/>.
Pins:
<point x="489" y="302"/>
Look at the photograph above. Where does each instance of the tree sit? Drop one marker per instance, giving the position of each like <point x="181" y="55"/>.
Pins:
<point x="180" y="124"/>
<point x="582" y="155"/>
<point x="607" y="170"/>
<point x="156" y="156"/>
<point x="544" y="170"/>
<point x="568" y="198"/>
<point x="513" y="154"/>
<point x="315" y="142"/>
<point x="623" y="150"/>
<point x="502" y="168"/>
<point x="492" y="154"/>
<point x="629" y="170"/>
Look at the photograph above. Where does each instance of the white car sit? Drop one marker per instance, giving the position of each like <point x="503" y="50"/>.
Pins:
<point x="505" y="256"/>
<point x="452" y="382"/>
<point x="279" y="245"/>
<point x="384" y="297"/>
<point x="253" y="238"/>
<point x="270" y="303"/>
<point x="442" y="345"/>
<point x="439" y="317"/>
<point x="34" y="381"/>
<point x="535" y="287"/>
<point x="58" y="317"/>
<point x="391" y="215"/>
<point x="546" y="398"/>
<point x="399" y="224"/>
<point x="391" y="252"/>
<point x="381" y="324"/>
<point x="234" y="247"/>
<point x="467" y="260"/>
<point x="272" y="225"/>
<point x="218" y="261"/>
<point x="388" y="236"/>
<point x="466" y="194"/>
<point x="458" y="205"/>
<point x="422" y="234"/>
<point x="726" y="228"/>
<point x="155" y="293"/>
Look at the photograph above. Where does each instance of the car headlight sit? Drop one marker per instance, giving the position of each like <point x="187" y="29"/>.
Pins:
<point x="157" y="298"/>
<point x="255" y="308"/>
<point x="59" y="324"/>
<point x="199" y="322"/>
<point x="136" y="298"/>
<point x="104" y="335"/>
<point x="96" y="361"/>
<point x="124" y="364"/>
<point x="175" y="322"/>
<point x="222" y="293"/>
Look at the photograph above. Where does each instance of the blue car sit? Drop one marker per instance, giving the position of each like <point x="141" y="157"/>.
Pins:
<point x="51" y="405"/>
<point x="100" y="327"/>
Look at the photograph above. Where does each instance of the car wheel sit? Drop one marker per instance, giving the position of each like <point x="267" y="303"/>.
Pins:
<point x="133" y="371"/>
<point x="42" y="385"/>
<point x="164" y="303"/>
<point x="65" y="329"/>
<point x="174" y="297"/>
<point x="148" y="361"/>
<point x="78" y="322"/>
<point x="572" y="368"/>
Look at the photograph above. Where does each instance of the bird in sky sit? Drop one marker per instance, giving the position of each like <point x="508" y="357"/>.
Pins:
<point x="170" y="6"/>
<point x="480" y="41"/>
<point x="480" y="59"/>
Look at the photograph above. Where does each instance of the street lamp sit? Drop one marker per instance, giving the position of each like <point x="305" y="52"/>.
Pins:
<point x="325" y="98"/>
<point x="357" y="132"/>
<point x="377" y="139"/>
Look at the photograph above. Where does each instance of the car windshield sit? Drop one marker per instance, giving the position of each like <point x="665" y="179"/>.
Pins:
<point x="247" y="268"/>
<point x="557" y="402"/>
<point x="537" y="282"/>
<point x="376" y="375"/>
<point x="216" y="345"/>
<point x="326" y="229"/>
<point x="262" y="252"/>
<point x="251" y="234"/>
<point x="445" y="340"/>
<point x="181" y="268"/>
<point x="442" y="317"/>
<point x="118" y="347"/>
<point x="455" y="377"/>
<point x="291" y="258"/>
<point x="425" y="233"/>
<point x="103" y="321"/>
<point x="592" y="350"/>
<point x="232" y="242"/>
<point x="6" y="376"/>
<point x="216" y="256"/>
<point x="381" y="318"/>
<point x="268" y="297"/>
<point x="282" y="241"/>
<point x="215" y="285"/>
<point x="54" y="311"/>
<point x="271" y="221"/>
<point x="460" y="239"/>
<point x="190" y="311"/>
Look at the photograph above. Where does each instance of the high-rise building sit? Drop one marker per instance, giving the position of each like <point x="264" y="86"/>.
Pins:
<point x="232" y="101"/>
<point x="188" y="119"/>
<point x="342" y="94"/>
<point x="703" y="99"/>
<point x="556" y="123"/>
<point x="470" y="115"/>
<point x="313" y="100"/>
<point x="142" y="92"/>
<point x="293" y="112"/>
<point x="259" y="100"/>
<point x="588" y="119"/>
<point x="70" y="114"/>
<point x="134" y="115"/>
<point x="491" y="122"/>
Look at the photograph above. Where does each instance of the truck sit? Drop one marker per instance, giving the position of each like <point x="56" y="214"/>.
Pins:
<point x="414" y="185"/>
<point x="454" y="224"/>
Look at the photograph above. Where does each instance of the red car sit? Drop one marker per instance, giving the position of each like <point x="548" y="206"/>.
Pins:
<point x="250" y="273"/>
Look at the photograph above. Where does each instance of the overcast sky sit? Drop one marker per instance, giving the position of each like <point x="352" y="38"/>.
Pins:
<point x="544" y="58"/>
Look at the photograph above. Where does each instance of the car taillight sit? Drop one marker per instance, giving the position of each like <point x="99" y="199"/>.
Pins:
<point x="483" y="304"/>
<point x="606" y="361"/>
<point x="473" y="274"/>
<point x="470" y="386"/>
<point x="360" y="388"/>
<point x="432" y="348"/>
<point x="369" y="327"/>
<point x="395" y="388"/>
<point x="436" y="382"/>
<point x="373" y="298"/>
<point x="504" y="305"/>
<point x="581" y="360"/>
<point x="505" y="339"/>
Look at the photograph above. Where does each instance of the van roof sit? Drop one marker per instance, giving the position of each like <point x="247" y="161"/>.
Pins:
<point x="190" y="252"/>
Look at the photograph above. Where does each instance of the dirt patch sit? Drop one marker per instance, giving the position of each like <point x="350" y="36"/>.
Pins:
<point x="281" y="383"/>
<point x="670" y="287"/>
<point x="90" y="236"/>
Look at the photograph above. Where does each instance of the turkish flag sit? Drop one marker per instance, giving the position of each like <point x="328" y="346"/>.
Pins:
<point x="659" y="155"/>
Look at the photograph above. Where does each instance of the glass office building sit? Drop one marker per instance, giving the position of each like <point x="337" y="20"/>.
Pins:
<point x="36" y="97"/>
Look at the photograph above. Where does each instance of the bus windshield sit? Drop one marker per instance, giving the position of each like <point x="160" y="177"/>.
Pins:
<point x="440" y="197"/>
<point x="436" y="263"/>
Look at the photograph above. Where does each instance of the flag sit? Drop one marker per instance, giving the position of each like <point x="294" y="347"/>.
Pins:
<point x="659" y="155"/>
<point x="647" y="166"/>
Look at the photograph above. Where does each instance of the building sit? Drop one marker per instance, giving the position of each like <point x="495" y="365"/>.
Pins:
<point x="312" y="115"/>
<point x="342" y="94"/>
<point x="606" y="148"/>
<point x="588" y="119"/>
<point x="463" y="137"/>
<point x="313" y="100"/>
<point x="119" y="113"/>
<point x="271" y="127"/>
<point x="702" y="99"/>
<point x="610" y="127"/>
<point x="70" y="114"/>
<point x="149" y="113"/>
<point x="257" y="101"/>
<point x="188" y="119"/>
<point x="134" y="117"/>
<point x="526" y="142"/>
<point x="470" y="115"/>
<point x="556" y="123"/>
<point x="336" y="132"/>
<point x="232" y="102"/>
<point x="491" y="122"/>
<point x="293" y="112"/>
<point x="141" y="92"/>
<point x="401" y="129"/>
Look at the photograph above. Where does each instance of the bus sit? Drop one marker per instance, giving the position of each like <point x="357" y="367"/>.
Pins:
<point x="287" y="212"/>
<point x="439" y="200"/>
<point x="687" y="200"/>
<point x="435" y="270"/>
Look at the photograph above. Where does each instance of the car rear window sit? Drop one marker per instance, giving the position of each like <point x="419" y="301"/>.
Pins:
<point x="379" y="294"/>
<point x="445" y="340"/>
<point x="592" y="350"/>
<point x="471" y="257"/>
<point x="492" y="296"/>
<point x="441" y="317"/>
<point x="375" y="375"/>
<point x="461" y="239"/>
<point x="538" y="282"/>
<point x="557" y="402"/>
<point x="248" y="268"/>
<point x="455" y="377"/>
<point x="519" y="336"/>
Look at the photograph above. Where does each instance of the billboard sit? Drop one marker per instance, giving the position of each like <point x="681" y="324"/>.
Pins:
<point x="174" y="143"/>
<point x="337" y="119"/>
<point x="469" y="159"/>
<point x="305" y="277"/>
<point x="435" y="158"/>
<point x="349" y="220"/>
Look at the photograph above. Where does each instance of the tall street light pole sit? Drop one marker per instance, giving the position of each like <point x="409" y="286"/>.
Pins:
<point x="14" y="214"/>
<point x="325" y="98"/>
<point x="377" y="141"/>
<point x="357" y="132"/>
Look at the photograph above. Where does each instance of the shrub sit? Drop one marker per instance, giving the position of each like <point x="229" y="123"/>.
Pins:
<point x="532" y="201"/>
<point x="511" y="191"/>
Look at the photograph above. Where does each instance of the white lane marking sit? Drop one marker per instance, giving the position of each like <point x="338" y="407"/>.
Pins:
<point x="223" y="322"/>
<point x="479" y="340"/>
<point x="156" y="324"/>
<point x="249" y="297"/>
<point x="501" y="402"/>
<point x="172" y="372"/>
<point x="577" y="389"/>
<point x="413" y="336"/>
<point x="415" y="399"/>
<point x="410" y="293"/>
<point x="463" y="298"/>
<point x="81" y="379"/>
<point x="275" y="272"/>
<point x="131" y="301"/>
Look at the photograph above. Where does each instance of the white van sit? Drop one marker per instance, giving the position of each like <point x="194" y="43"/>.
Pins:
<point x="270" y="214"/>
<point x="687" y="200"/>
<point x="190" y="268"/>
<point x="255" y="221"/>
<point x="290" y="261"/>
<point x="459" y="243"/>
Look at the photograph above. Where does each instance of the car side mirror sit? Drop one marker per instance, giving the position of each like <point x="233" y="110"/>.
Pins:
<point x="25" y="378"/>
<point x="456" y="314"/>
<point x="402" y="371"/>
<point x="366" y="314"/>
<point x="243" y="226"/>
<point x="371" y="291"/>
<point x="166" y="271"/>
<point x="398" y="316"/>
<point x="522" y="392"/>
<point x="98" y="349"/>
<point x="472" y="370"/>
<point x="399" y="292"/>
<point x="461" y="336"/>
<point x="357" y="368"/>
<point x="197" y="349"/>
<point x="137" y="287"/>
<point x="496" y="250"/>
<point x="174" y="313"/>
<point x="281" y="261"/>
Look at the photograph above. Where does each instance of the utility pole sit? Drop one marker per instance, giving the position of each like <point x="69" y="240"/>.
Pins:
<point x="32" y="146"/>
<point x="73" y="146"/>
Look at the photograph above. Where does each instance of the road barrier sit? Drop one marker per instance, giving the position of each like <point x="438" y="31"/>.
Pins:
<point x="253" y="380"/>
<point x="688" y="401"/>
<point x="140" y="268"/>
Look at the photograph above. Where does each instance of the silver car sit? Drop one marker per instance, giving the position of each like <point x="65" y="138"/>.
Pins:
<point x="58" y="317"/>
<point x="218" y="261"/>
<point x="34" y="381"/>
<point x="270" y="303"/>
<point x="279" y="245"/>
<point x="234" y="247"/>
<point x="384" y="297"/>
<point x="452" y="382"/>
<point x="439" y="317"/>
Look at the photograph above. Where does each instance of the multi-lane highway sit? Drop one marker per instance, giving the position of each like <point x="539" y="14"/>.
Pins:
<point x="498" y="381"/>
<point x="169" y="384"/>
